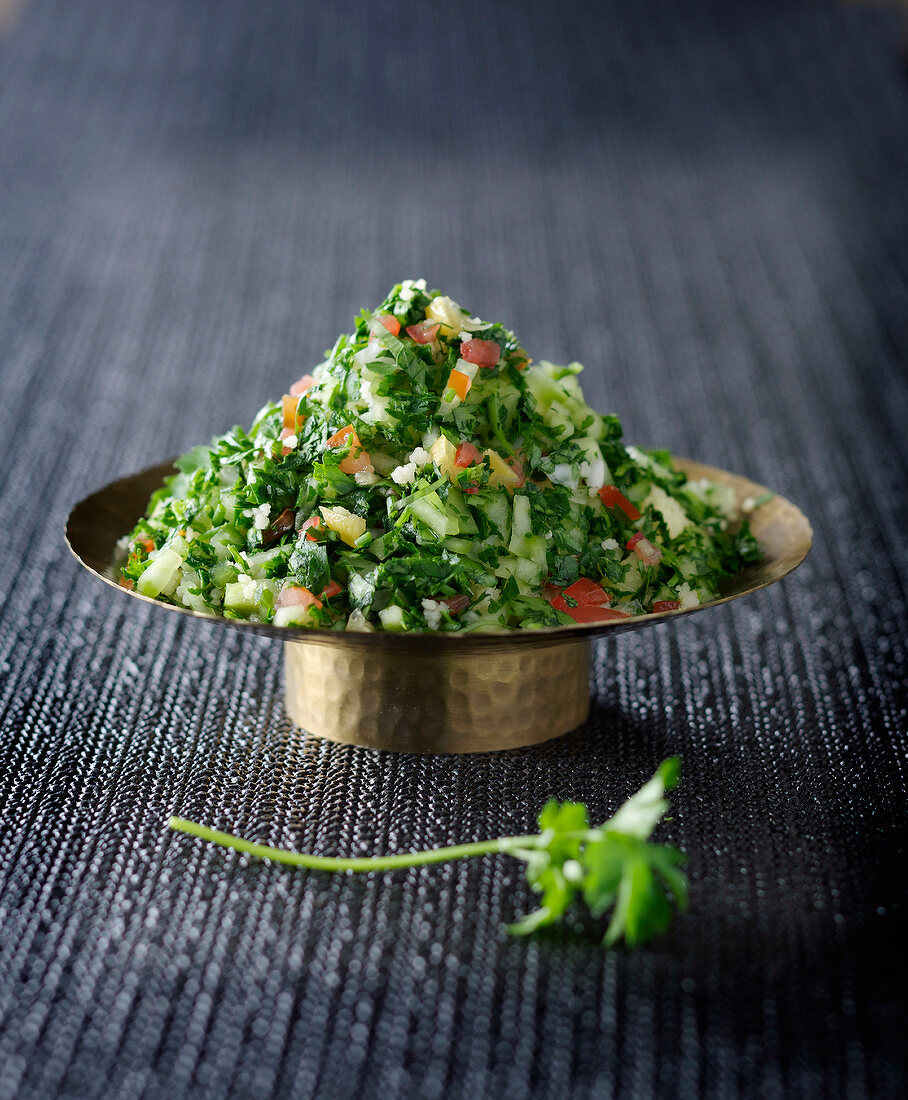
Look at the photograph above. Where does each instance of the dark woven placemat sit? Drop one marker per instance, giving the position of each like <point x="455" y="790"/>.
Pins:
<point x="707" y="205"/>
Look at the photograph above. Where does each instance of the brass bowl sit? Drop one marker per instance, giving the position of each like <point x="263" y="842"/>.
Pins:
<point x="436" y="692"/>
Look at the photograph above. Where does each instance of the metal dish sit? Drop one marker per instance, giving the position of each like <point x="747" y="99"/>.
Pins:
<point x="426" y="692"/>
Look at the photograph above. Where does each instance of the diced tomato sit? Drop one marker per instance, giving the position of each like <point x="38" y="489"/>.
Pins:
<point x="520" y="360"/>
<point x="587" y="612"/>
<point x="356" y="462"/>
<point x="126" y="582"/>
<point x="456" y="604"/>
<point x="586" y="591"/>
<point x="646" y="551"/>
<point x="606" y="614"/>
<point x="423" y="333"/>
<point x="146" y="544"/>
<point x="590" y="600"/>
<point x="339" y="439"/>
<point x="485" y="353"/>
<point x="312" y="522"/>
<point x="300" y="387"/>
<point x="471" y="489"/>
<point x="332" y="590"/>
<point x="561" y="604"/>
<point x="467" y="455"/>
<point x="358" y="459"/>
<point x="459" y="383"/>
<point x="517" y="466"/>
<point x="612" y="497"/>
<point x="390" y="323"/>
<point x="297" y="596"/>
<point x="666" y="605"/>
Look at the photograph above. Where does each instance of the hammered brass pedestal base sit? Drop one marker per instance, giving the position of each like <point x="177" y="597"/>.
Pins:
<point x="435" y="699"/>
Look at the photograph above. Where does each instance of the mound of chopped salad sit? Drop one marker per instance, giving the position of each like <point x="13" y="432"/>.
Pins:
<point x="428" y="475"/>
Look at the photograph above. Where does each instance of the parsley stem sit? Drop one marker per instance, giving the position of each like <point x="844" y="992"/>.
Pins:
<point x="362" y="863"/>
<point x="495" y="424"/>
<point x="420" y="493"/>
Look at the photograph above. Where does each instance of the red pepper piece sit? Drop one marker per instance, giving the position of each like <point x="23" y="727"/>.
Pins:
<point x="612" y="497"/>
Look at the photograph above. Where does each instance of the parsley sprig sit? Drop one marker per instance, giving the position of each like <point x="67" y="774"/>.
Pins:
<point x="613" y="867"/>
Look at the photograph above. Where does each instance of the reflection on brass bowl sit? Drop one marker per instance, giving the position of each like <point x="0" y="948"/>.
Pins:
<point x="425" y="692"/>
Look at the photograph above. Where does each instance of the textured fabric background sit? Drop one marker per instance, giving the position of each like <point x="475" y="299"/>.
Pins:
<point x="707" y="204"/>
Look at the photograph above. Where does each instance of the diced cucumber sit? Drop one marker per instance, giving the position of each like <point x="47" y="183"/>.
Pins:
<point x="522" y="525"/>
<point x="534" y="549"/>
<point x="230" y="506"/>
<point x="379" y="547"/>
<point x="392" y="617"/>
<point x="223" y="573"/>
<point x="632" y="579"/>
<point x="458" y="546"/>
<point x="722" y="498"/>
<point x="225" y="536"/>
<point x="188" y="592"/>
<point x="496" y="507"/>
<point x="179" y="545"/>
<point x="529" y="571"/>
<point x="241" y="596"/>
<point x="292" y="616"/>
<point x="488" y="620"/>
<point x="688" y="566"/>
<point x="260" y="559"/>
<point x="161" y="574"/>
<point x="457" y="505"/>
<point x="227" y="476"/>
<point x="506" y="567"/>
<point x="543" y="387"/>
<point x="430" y="510"/>
<point x="361" y="590"/>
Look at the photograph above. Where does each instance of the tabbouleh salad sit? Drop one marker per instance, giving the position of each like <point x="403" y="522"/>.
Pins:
<point x="428" y="475"/>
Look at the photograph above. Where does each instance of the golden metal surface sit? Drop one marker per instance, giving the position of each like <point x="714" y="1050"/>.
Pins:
<point x="439" y="692"/>
<point x="442" y="701"/>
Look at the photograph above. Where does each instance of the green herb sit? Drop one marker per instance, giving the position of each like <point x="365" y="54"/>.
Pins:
<point x="613" y="867"/>
<point x="309" y="563"/>
<point x="515" y="545"/>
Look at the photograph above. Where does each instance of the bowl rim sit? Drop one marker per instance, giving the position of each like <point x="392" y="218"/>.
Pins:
<point x="79" y="524"/>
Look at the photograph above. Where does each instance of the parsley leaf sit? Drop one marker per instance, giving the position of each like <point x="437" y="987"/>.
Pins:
<point x="309" y="564"/>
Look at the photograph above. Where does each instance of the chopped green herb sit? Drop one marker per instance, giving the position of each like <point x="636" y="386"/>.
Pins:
<point x="428" y="442"/>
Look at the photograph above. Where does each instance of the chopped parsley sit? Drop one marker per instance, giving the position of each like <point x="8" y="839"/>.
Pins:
<point x="429" y="475"/>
